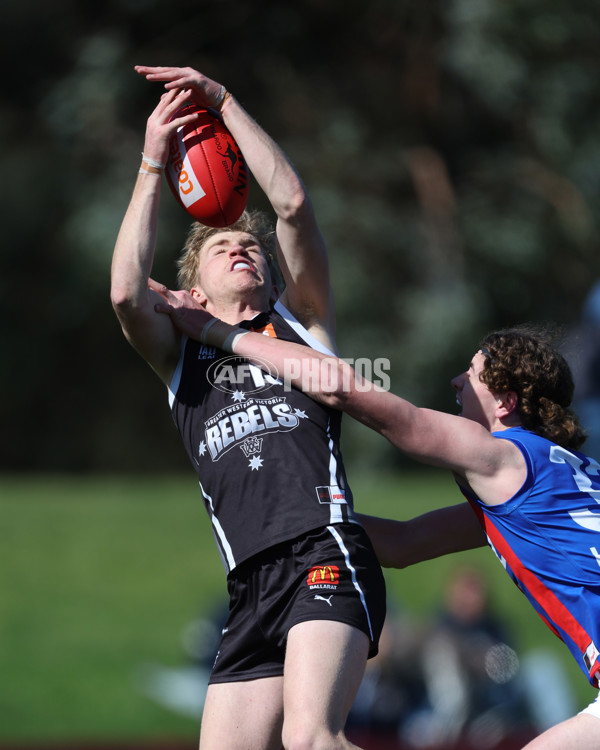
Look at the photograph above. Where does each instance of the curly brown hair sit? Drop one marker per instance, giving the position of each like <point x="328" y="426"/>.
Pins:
<point x="524" y="360"/>
<point x="256" y="223"/>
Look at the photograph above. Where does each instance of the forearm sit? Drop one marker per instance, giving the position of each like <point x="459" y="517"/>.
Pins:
<point x="325" y="378"/>
<point x="399" y="544"/>
<point x="134" y="250"/>
<point x="270" y="166"/>
<point x="301" y="249"/>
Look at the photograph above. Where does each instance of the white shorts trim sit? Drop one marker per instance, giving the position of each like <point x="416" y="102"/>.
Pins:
<point x="594" y="708"/>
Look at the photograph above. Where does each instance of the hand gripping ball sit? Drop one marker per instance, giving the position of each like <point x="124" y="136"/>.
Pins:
<point x="206" y="170"/>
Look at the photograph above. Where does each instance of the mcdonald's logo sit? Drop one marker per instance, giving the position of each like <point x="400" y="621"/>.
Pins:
<point x="323" y="576"/>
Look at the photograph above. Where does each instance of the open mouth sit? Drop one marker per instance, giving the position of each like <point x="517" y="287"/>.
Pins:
<point x="241" y="265"/>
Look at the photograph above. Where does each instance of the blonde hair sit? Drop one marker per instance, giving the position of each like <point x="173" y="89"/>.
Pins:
<point x="255" y="223"/>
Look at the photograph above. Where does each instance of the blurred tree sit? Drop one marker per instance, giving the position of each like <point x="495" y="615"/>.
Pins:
<point x="452" y="151"/>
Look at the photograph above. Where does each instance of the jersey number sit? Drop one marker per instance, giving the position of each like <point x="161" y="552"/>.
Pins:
<point x="584" y="517"/>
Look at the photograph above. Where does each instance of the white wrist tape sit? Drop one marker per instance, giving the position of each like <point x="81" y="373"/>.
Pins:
<point x="153" y="162"/>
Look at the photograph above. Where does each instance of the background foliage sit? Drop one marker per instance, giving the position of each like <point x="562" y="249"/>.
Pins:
<point x="452" y="150"/>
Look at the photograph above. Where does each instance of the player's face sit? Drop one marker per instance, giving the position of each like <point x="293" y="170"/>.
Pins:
<point x="476" y="400"/>
<point x="233" y="264"/>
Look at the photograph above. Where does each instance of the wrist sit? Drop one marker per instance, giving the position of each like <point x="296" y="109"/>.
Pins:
<point x="230" y="343"/>
<point x="223" y="101"/>
<point x="220" y="334"/>
<point x="151" y="166"/>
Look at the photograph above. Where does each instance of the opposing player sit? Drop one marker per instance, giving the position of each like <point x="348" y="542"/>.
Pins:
<point x="514" y="452"/>
<point x="307" y="595"/>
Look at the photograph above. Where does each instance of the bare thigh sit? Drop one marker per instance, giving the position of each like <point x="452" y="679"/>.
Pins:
<point x="324" y="665"/>
<point x="582" y="732"/>
<point x="243" y="715"/>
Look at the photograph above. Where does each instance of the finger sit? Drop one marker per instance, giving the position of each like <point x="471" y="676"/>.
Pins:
<point x="176" y="97"/>
<point x="163" y="308"/>
<point x="168" y="296"/>
<point x="152" y="70"/>
<point x="175" y="94"/>
<point x="171" y="109"/>
<point x="174" y="77"/>
<point x="156" y="286"/>
<point x="165" y="100"/>
<point x="171" y="101"/>
<point x="179" y="122"/>
<point x="175" y="83"/>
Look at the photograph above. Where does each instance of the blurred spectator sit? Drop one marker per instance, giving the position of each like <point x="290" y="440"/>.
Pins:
<point x="455" y="682"/>
<point x="393" y="688"/>
<point x="183" y="689"/>
<point x="470" y="671"/>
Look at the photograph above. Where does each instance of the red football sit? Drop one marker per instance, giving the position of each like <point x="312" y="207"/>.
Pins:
<point x="206" y="170"/>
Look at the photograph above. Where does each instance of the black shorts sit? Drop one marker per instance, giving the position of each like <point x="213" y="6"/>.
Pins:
<point x="328" y="574"/>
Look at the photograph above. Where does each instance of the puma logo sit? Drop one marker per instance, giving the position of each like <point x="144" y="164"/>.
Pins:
<point x="325" y="599"/>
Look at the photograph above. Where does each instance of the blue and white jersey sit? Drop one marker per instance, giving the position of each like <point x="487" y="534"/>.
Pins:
<point x="267" y="455"/>
<point x="547" y="536"/>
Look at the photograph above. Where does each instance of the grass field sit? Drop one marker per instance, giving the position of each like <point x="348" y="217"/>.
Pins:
<point x="99" y="575"/>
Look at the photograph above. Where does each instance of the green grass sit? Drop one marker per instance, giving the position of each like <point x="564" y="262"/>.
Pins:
<point x="99" y="575"/>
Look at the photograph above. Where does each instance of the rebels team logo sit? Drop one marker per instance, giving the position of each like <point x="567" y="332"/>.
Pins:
<point x="237" y="425"/>
<point x="236" y="375"/>
<point x="323" y="577"/>
<point x="247" y="418"/>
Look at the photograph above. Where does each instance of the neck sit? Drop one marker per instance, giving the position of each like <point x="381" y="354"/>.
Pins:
<point x="233" y="313"/>
<point x="512" y="420"/>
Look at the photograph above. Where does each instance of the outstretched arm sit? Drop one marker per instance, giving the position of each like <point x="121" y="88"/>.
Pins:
<point x="399" y="544"/>
<point x="301" y="248"/>
<point x="494" y="469"/>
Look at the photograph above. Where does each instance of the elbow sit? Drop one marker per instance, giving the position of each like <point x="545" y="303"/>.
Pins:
<point x="332" y="400"/>
<point x="122" y="309"/>
<point x="327" y="380"/>
<point x="295" y="206"/>
<point x="119" y="298"/>
<point x="337" y="383"/>
<point x="124" y="302"/>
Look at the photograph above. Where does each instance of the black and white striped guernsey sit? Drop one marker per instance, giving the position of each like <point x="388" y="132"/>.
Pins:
<point x="267" y="456"/>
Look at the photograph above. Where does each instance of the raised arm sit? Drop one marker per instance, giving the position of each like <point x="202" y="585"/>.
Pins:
<point x="152" y="335"/>
<point x="301" y="248"/>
